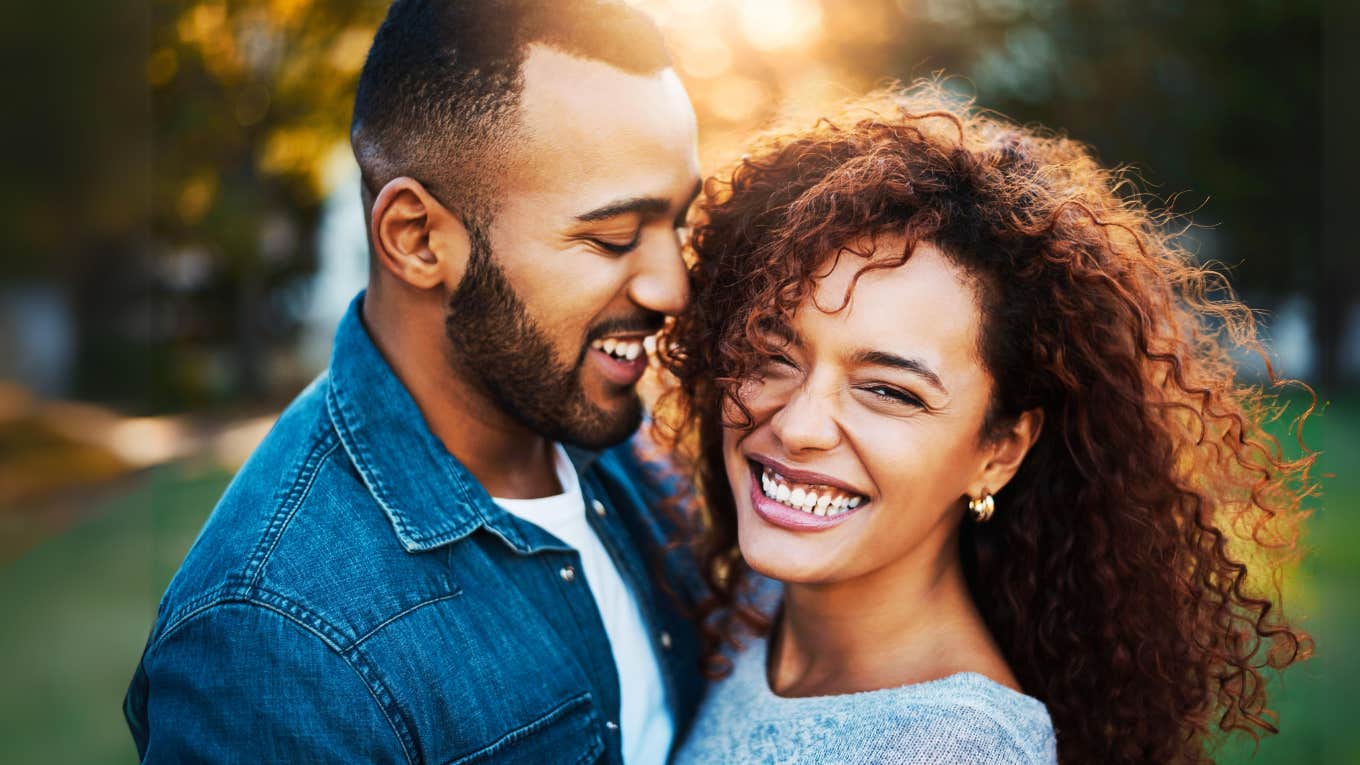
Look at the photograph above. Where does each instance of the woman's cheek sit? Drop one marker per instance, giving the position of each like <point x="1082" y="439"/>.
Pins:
<point x="760" y="397"/>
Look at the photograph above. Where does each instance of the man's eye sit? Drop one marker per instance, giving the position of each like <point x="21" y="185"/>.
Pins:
<point x="617" y="248"/>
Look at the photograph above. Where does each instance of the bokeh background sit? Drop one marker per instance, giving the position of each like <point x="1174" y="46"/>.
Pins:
<point x="180" y="231"/>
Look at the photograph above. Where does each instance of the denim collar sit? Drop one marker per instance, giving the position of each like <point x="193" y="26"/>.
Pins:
<point x="429" y="496"/>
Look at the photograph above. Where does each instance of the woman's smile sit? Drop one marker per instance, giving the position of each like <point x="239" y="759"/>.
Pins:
<point x="799" y="500"/>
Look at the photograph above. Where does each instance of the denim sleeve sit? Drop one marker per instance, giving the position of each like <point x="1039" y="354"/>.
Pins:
<point x="243" y="683"/>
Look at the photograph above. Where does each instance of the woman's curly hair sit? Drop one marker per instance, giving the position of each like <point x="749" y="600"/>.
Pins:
<point x="1114" y="575"/>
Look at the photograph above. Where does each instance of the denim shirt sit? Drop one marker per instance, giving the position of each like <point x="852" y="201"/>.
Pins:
<point x="357" y="596"/>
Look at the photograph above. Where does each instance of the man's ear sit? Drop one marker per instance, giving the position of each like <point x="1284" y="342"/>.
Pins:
<point x="1007" y="450"/>
<point x="415" y="238"/>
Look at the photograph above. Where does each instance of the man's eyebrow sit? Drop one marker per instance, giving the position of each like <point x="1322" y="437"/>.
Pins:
<point x="645" y="206"/>
<point x="893" y="361"/>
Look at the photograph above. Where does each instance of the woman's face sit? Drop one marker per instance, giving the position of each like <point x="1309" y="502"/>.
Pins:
<point x="868" y="421"/>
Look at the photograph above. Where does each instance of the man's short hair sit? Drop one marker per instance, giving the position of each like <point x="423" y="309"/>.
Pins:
<point x="438" y="97"/>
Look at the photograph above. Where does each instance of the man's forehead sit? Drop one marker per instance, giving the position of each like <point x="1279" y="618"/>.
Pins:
<point x="584" y="118"/>
<point x="555" y="81"/>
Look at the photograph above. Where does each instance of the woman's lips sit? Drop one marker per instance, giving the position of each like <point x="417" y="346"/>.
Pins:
<point x="780" y="514"/>
<point x="809" y="477"/>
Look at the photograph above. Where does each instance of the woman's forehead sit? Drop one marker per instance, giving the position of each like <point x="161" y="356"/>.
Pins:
<point x="926" y="305"/>
<point x="876" y="272"/>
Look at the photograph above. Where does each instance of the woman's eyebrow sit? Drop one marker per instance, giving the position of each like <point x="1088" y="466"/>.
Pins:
<point x="782" y="332"/>
<point x="893" y="361"/>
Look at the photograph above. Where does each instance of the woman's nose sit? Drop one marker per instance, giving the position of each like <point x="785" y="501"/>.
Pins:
<point x="807" y="421"/>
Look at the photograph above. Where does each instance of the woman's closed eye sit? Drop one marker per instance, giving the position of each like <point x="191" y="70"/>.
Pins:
<point x="890" y="394"/>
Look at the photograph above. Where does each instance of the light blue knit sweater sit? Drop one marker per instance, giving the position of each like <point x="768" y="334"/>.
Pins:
<point x="958" y="720"/>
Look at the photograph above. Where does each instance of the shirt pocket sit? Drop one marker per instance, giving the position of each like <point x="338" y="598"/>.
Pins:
<point x="569" y="734"/>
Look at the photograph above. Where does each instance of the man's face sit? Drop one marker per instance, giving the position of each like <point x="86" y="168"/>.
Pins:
<point x="582" y="260"/>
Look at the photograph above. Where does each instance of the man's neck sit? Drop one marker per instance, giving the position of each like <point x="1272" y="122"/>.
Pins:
<point x="508" y="459"/>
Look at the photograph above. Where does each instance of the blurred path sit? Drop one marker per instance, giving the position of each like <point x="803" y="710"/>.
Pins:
<point x="61" y="461"/>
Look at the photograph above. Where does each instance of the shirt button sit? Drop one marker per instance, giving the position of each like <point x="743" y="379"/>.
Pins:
<point x="613" y="726"/>
<point x="666" y="640"/>
<point x="568" y="573"/>
<point x="599" y="507"/>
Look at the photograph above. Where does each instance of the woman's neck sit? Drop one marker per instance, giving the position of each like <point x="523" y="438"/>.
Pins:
<point x="907" y="623"/>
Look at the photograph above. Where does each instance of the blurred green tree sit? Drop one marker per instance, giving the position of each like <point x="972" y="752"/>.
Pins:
<point x="250" y="99"/>
<point x="1215" y="103"/>
<point x="1217" y="107"/>
<point x="173" y="168"/>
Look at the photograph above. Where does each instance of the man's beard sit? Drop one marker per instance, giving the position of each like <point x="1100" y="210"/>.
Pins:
<point x="498" y="346"/>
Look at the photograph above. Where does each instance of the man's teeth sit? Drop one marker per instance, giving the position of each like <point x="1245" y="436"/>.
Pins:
<point x="818" y="500"/>
<point x="623" y="350"/>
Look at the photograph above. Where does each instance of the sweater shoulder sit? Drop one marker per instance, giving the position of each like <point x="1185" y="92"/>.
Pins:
<point x="959" y="719"/>
<point x="971" y="719"/>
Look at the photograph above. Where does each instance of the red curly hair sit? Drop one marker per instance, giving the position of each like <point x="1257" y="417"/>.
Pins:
<point x="1114" y="575"/>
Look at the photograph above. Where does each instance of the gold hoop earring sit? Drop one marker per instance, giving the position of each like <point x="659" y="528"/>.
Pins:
<point x="982" y="508"/>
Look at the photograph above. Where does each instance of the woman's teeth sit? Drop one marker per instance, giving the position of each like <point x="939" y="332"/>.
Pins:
<point x="623" y="350"/>
<point x="818" y="500"/>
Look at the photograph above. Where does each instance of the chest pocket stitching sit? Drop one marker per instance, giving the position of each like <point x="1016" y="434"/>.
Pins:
<point x="562" y="711"/>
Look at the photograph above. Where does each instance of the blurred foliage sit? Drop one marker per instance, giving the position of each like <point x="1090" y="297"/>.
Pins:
<point x="250" y="98"/>
<point x="193" y="141"/>
<point x="76" y="160"/>
<point x="1219" y="100"/>
<point x="1215" y="106"/>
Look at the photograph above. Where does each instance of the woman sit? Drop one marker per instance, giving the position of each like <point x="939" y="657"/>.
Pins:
<point x="971" y="405"/>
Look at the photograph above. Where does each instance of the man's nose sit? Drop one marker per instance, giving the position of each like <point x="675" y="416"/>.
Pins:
<point x="661" y="283"/>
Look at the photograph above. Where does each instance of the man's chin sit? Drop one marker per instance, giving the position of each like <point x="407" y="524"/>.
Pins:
<point x="607" y="425"/>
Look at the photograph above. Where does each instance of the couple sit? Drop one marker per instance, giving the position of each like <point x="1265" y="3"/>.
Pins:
<point x="927" y="369"/>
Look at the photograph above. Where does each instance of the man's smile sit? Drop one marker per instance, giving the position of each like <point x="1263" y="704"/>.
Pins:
<point x="622" y="358"/>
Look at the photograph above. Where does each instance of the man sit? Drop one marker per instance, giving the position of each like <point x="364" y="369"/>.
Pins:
<point x="410" y="568"/>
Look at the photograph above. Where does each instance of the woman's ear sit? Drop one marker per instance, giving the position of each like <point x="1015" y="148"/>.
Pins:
<point x="1007" y="450"/>
<point x="415" y="238"/>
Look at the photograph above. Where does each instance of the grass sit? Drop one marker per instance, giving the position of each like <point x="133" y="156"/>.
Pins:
<point x="78" y="607"/>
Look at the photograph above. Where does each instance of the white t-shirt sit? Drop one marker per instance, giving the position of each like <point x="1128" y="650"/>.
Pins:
<point x="646" y="727"/>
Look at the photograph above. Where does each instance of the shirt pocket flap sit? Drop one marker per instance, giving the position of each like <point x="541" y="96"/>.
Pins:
<point x="567" y="735"/>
